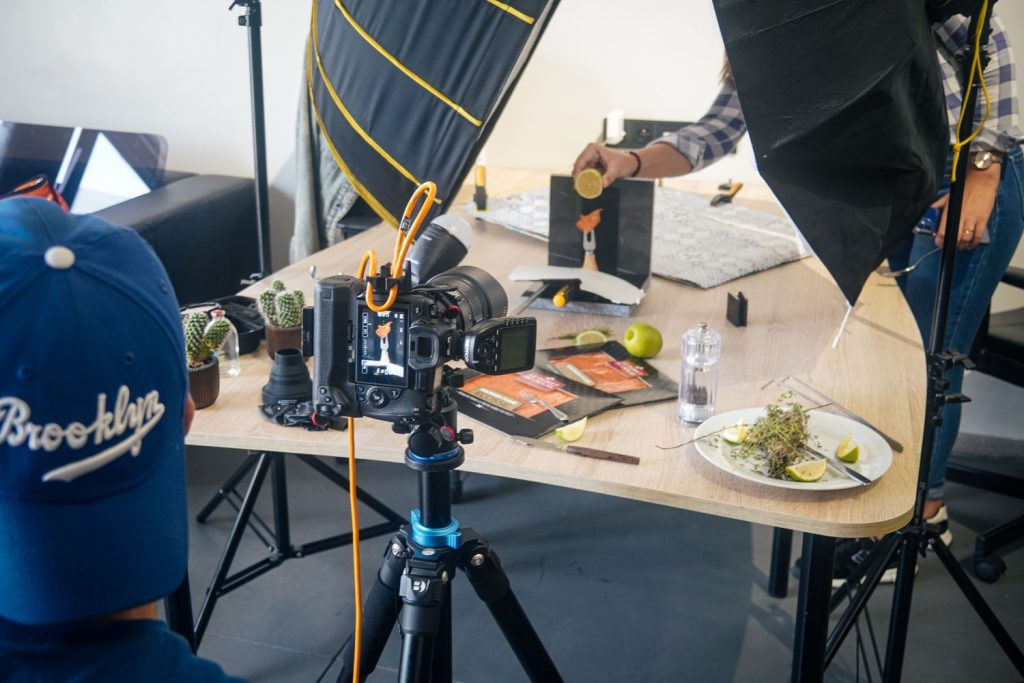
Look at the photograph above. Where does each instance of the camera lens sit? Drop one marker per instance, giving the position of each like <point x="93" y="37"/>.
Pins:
<point x="481" y="296"/>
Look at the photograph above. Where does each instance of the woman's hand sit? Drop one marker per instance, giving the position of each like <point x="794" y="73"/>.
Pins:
<point x="612" y="163"/>
<point x="979" y="198"/>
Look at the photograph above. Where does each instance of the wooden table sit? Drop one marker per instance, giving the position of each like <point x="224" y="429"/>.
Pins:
<point x="795" y="311"/>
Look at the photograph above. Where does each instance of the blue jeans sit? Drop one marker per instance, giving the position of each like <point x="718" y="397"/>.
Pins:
<point x="975" y="276"/>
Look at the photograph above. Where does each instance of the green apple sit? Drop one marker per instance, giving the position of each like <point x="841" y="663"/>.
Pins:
<point x="643" y="340"/>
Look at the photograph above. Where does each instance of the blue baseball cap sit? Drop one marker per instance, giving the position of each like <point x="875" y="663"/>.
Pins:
<point x="92" y="403"/>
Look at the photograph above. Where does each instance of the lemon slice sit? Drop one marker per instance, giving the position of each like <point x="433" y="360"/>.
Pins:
<point x="736" y="435"/>
<point x="572" y="432"/>
<point x="812" y="470"/>
<point x="589" y="184"/>
<point x="590" y="337"/>
<point x="847" y="450"/>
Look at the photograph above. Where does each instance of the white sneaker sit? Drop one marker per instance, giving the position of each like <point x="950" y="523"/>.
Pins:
<point x="940" y="520"/>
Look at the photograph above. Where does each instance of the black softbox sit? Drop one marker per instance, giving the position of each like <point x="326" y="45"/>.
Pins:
<point x="844" y="105"/>
<point x="408" y="91"/>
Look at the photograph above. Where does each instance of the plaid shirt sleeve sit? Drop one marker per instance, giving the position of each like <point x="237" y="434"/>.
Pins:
<point x="1001" y="131"/>
<point x="714" y="135"/>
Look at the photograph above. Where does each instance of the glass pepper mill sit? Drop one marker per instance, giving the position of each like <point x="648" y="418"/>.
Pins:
<point x="702" y="348"/>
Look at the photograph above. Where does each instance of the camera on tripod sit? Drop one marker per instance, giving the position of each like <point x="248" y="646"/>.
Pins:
<point x="390" y="364"/>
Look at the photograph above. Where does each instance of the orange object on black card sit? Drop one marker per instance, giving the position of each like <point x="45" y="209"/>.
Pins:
<point x="40" y="187"/>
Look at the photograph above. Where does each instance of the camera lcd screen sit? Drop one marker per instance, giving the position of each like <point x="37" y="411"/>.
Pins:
<point x="382" y="347"/>
<point x="514" y="345"/>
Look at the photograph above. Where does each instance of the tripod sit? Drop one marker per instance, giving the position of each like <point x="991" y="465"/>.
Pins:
<point x="917" y="537"/>
<point x="413" y="586"/>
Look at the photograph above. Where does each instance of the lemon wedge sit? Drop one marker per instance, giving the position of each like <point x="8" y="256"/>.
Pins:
<point x="589" y="184"/>
<point x="847" y="450"/>
<point x="572" y="432"/>
<point x="590" y="337"/>
<point x="737" y="434"/>
<point x="812" y="470"/>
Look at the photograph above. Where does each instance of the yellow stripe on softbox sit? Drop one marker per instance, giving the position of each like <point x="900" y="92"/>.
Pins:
<point x="404" y="69"/>
<point x="513" y="11"/>
<point x="348" y="116"/>
<point x="360" y="188"/>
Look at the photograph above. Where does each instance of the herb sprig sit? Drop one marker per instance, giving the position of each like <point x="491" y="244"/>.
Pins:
<point x="777" y="437"/>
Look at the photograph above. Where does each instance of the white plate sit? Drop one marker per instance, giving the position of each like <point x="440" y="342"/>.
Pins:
<point x="829" y="429"/>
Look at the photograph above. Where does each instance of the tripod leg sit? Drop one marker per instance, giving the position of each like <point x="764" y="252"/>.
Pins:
<point x="491" y="584"/>
<point x="227" y="487"/>
<point x="380" y="612"/>
<point x="425" y="588"/>
<point x="178" y="608"/>
<point x="213" y="592"/>
<point x="970" y="592"/>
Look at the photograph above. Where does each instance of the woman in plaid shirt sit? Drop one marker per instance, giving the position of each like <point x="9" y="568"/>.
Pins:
<point x="990" y="225"/>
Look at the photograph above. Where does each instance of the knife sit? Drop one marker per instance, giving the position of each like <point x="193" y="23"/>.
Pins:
<point x="839" y="465"/>
<point x="579" y="450"/>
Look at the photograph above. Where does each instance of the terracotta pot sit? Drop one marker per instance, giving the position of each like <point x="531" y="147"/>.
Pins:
<point x="204" y="383"/>
<point x="282" y="338"/>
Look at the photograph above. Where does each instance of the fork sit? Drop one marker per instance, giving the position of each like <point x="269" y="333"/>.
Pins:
<point x="530" y="398"/>
<point x="885" y="272"/>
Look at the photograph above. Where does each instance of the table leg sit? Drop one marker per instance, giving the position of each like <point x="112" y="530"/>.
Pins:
<point x="778" y="572"/>
<point x="812" y="610"/>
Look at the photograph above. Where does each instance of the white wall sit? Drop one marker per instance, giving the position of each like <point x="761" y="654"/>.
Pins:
<point x="180" y="69"/>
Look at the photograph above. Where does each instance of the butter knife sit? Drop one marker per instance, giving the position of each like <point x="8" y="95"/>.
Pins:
<point x="579" y="450"/>
<point x="839" y="465"/>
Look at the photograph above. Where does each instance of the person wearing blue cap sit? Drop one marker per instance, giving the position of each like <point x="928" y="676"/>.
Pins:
<point x="94" y="407"/>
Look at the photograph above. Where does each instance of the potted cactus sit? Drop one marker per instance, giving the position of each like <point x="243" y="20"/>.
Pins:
<point x="202" y="342"/>
<point x="282" y="311"/>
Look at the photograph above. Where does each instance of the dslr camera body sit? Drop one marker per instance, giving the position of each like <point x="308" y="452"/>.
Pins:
<point x="391" y="365"/>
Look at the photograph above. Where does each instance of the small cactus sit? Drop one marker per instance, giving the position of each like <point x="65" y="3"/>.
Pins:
<point x="289" y="314"/>
<point x="202" y="343"/>
<point x="282" y="308"/>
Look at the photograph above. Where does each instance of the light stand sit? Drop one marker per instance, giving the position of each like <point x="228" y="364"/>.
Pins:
<point x="252" y="19"/>
<point x="917" y="536"/>
<point x="413" y="586"/>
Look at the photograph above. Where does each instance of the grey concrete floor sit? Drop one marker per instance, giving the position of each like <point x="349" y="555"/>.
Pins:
<point x="618" y="590"/>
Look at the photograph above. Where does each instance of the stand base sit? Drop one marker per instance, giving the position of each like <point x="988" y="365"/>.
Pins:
<point x="907" y="544"/>
<point x="277" y="539"/>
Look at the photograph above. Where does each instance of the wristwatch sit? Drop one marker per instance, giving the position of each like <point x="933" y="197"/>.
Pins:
<point x="982" y="160"/>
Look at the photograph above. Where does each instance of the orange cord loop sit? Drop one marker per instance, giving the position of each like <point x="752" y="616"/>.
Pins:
<point x="407" y="230"/>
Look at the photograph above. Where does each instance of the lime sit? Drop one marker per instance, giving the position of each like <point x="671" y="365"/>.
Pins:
<point x="642" y="340"/>
<point x="812" y="470"/>
<point x="589" y="184"/>
<point x="736" y="435"/>
<point x="572" y="432"/>
<point x="847" y="450"/>
<point x="590" y="337"/>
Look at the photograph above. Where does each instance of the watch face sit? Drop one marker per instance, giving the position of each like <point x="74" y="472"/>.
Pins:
<point x="982" y="160"/>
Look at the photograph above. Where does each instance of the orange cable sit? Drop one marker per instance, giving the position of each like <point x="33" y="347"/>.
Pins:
<point x="402" y="243"/>
<point x="356" y="574"/>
